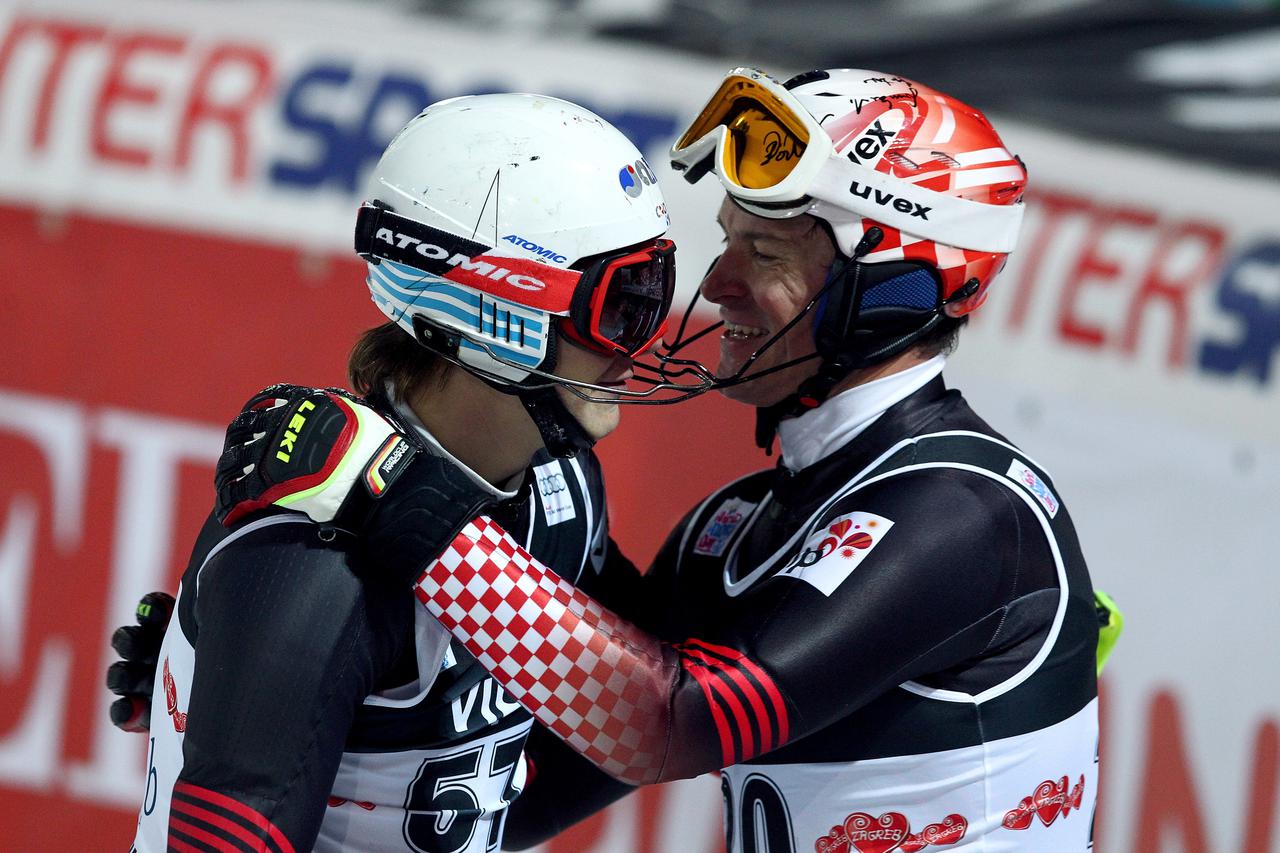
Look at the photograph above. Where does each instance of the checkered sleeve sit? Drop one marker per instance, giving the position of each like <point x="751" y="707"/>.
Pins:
<point x="641" y="709"/>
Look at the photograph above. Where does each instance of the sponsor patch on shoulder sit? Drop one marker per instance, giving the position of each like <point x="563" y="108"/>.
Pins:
<point x="1019" y="471"/>
<point x="717" y="532"/>
<point x="553" y="489"/>
<point x="387" y="464"/>
<point x="831" y="554"/>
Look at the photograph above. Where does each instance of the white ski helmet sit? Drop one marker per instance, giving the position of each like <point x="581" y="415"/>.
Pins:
<point x="490" y="216"/>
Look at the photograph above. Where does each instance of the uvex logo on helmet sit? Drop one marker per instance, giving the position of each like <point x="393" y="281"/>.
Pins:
<point x="883" y="199"/>
<point x="448" y="258"/>
<point x="869" y="145"/>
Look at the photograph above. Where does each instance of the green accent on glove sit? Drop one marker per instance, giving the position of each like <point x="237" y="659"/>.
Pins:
<point x="1110" y="626"/>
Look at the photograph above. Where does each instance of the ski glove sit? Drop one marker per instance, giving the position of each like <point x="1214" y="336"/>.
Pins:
<point x="328" y="454"/>
<point x="133" y="677"/>
<point x="320" y="452"/>
<point x="1110" y="626"/>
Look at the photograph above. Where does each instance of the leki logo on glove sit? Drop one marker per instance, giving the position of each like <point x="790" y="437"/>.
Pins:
<point x="171" y="700"/>
<point x="891" y="831"/>
<point x="291" y="432"/>
<point x="831" y="554"/>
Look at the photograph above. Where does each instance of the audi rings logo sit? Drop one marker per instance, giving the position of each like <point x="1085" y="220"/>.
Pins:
<point x="552" y="484"/>
<point x="553" y="489"/>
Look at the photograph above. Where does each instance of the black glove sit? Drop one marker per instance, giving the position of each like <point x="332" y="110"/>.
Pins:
<point x="330" y="455"/>
<point x="133" y="679"/>
<point x="323" y="452"/>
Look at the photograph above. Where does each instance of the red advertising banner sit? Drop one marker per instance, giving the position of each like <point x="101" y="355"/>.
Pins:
<point x="132" y="348"/>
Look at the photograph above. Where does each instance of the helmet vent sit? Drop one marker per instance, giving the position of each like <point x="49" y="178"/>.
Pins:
<point x="902" y="161"/>
<point x="946" y="159"/>
<point x="806" y="77"/>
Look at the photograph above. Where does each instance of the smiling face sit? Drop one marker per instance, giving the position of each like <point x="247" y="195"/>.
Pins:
<point x="768" y="272"/>
<point x="585" y="365"/>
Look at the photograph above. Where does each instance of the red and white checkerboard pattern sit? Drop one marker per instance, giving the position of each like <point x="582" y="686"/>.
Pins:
<point x="599" y="682"/>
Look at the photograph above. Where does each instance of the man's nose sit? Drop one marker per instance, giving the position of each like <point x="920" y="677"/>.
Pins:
<point x="722" y="280"/>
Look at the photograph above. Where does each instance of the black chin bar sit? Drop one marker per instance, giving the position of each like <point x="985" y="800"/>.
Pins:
<point x="669" y="368"/>
<point x="704" y="380"/>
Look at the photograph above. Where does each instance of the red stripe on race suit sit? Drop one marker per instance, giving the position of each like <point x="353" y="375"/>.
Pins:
<point x="762" y="678"/>
<point x="610" y="690"/>
<point x="703" y="677"/>
<point x="208" y="840"/>
<point x="196" y="792"/>
<point x="228" y="827"/>
<point x="747" y="689"/>
<point x="737" y="709"/>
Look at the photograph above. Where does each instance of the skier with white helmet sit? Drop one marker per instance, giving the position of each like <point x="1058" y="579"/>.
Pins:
<point x="515" y="244"/>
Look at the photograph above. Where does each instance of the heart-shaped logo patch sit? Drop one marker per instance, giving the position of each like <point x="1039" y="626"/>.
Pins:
<point x="881" y="834"/>
<point x="951" y="830"/>
<point x="833" y="842"/>
<point x="1050" y="799"/>
<point x="1020" y="818"/>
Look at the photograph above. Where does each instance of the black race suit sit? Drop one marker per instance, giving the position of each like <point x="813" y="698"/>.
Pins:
<point x="301" y="701"/>
<point x="919" y="602"/>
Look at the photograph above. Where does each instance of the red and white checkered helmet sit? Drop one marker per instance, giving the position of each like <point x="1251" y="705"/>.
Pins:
<point x="857" y="149"/>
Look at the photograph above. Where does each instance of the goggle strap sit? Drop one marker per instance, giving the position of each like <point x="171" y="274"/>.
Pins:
<point x="384" y="234"/>
<point x="912" y="209"/>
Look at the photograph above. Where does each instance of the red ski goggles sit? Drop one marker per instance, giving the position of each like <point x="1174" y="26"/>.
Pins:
<point x="620" y="303"/>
